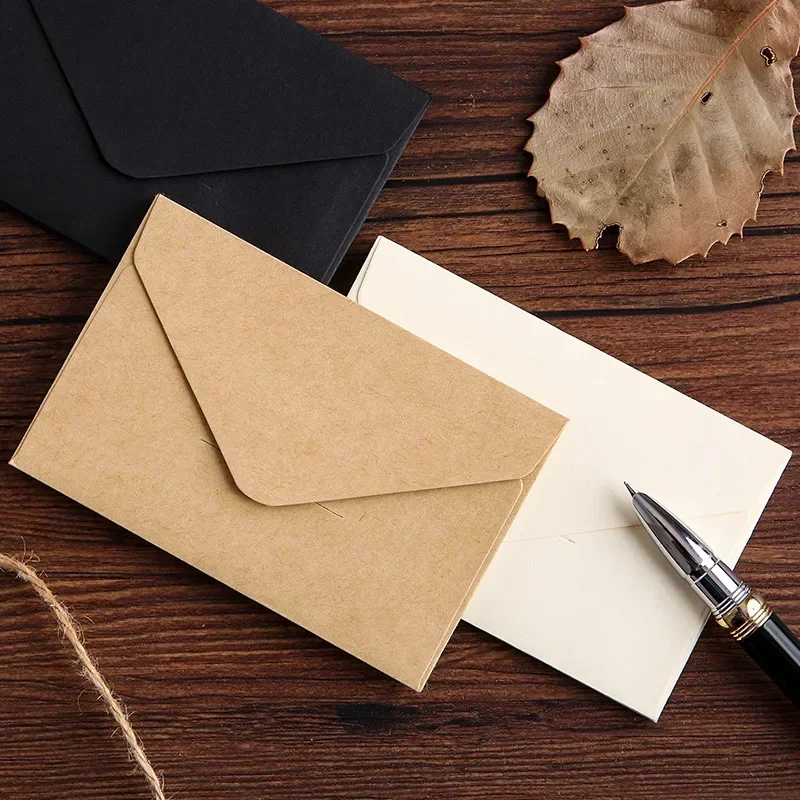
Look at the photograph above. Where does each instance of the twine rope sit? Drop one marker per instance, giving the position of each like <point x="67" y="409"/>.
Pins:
<point x="70" y="631"/>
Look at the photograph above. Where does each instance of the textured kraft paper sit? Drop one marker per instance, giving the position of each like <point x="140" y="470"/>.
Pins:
<point x="288" y="442"/>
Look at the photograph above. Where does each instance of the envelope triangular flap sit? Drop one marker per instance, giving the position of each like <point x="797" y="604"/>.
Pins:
<point x="311" y="397"/>
<point x="181" y="87"/>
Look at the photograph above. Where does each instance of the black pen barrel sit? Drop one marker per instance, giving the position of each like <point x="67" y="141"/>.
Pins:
<point x="777" y="651"/>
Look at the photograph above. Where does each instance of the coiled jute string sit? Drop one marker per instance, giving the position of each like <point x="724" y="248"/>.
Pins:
<point x="70" y="631"/>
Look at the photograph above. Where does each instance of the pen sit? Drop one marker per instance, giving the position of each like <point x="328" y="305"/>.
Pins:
<point x="734" y="605"/>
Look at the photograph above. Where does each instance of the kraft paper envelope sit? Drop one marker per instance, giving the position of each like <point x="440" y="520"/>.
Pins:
<point x="288" y="442"/>
<point x="577" y="583"/>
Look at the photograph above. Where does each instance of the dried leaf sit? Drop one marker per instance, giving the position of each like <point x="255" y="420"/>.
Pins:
<point x="666" y="122"/>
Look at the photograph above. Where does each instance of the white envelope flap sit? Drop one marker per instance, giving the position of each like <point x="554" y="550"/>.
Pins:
<point x="580" y="487"/>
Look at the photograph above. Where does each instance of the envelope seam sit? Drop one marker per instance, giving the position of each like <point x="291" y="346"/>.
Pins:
<point x="631" y="526"/>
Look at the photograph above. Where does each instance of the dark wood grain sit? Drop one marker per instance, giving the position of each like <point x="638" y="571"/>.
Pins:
<point x="234" y="702"/>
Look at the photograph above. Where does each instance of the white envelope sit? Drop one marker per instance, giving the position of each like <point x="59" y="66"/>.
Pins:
<point x="577" y="583"/>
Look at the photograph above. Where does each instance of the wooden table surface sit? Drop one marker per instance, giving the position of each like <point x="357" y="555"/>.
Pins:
<point x="234" y="702"/>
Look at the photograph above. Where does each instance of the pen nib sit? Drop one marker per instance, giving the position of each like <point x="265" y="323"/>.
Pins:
<point x="628" y="487"/>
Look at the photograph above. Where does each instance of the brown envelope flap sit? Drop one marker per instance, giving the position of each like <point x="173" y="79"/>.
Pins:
<point x="311" y="397"/>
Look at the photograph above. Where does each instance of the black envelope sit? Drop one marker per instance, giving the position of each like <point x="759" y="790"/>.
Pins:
<point x="243" y="116"/>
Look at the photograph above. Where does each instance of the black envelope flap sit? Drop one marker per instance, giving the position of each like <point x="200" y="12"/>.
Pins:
<point x="180" y="87"/>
